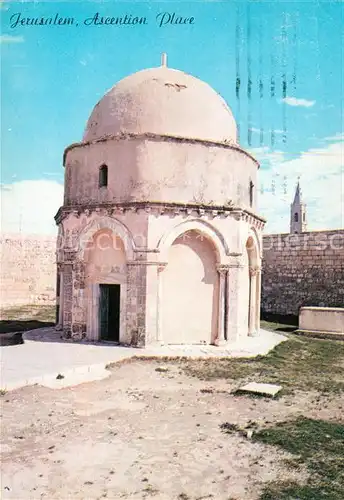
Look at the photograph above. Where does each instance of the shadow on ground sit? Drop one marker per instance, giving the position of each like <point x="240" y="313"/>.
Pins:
<point x="11" y="331"/>
<point x="286" y="329"/>
<point x="11" y="326"/>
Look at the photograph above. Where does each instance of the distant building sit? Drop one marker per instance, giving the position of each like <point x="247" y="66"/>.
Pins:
<point x="302" y="268"/>
<point x="159" y="241"/>
<point x="298" y="215"/>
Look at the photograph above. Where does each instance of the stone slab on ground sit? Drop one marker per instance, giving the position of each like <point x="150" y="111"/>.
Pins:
<point x="44" y="355"/>
<point x="259" y="388"/>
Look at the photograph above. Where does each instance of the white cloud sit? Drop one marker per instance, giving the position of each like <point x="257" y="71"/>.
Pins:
<point x="321" y="173"/>
<point x="29" y="206"/>
<point x="334" y="138"/>
<point x="264" y="153"/>
<point x="11" y="39"/>
<point x="294" y="101"/>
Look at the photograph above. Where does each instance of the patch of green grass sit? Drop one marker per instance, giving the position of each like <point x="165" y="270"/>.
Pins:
<point x="317" y="444"/>
<point x="290" y="490"/>
<point x="298" y="363"/>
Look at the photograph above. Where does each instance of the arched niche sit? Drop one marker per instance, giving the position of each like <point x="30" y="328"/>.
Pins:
<point x="189" y="290"/>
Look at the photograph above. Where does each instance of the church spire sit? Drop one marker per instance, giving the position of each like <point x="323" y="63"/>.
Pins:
<point x="164" y="59"/>
<point x="298" y="222"/>
<point x="297" y="197"/>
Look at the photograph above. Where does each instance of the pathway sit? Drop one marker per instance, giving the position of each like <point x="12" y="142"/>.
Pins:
<point x="44" y="356"/>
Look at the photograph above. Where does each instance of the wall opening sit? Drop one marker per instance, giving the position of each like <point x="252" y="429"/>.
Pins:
<point x="251" y="193"/>
<point x="105" y="265"/>
<point x="103" y="176"/>
<point x="109" y="312"/>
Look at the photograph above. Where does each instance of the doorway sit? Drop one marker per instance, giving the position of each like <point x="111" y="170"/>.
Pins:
<point x="109" y="312"/>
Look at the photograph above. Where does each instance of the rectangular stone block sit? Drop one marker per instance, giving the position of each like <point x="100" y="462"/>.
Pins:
<point x="322" y="319"/>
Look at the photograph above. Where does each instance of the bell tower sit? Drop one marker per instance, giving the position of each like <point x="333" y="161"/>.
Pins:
<point x="298" y="216"/>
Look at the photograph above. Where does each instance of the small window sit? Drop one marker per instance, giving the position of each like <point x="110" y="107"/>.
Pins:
<point x="103" y="176"/>
<point x="296" y="217"/>
<point x="303" y="217"/>
<point x="251" y="193"/>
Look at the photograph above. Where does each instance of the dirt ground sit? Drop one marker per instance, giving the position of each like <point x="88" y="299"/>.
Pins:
<point x="144" y="433"/>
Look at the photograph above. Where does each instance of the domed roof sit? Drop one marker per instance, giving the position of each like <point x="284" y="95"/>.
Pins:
<point x="162" y="101"/>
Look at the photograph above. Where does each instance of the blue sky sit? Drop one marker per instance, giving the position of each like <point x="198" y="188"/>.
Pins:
<point x="54" y="75"/>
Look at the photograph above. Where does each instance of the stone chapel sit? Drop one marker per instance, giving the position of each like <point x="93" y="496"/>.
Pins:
<point x="159" y="241"/>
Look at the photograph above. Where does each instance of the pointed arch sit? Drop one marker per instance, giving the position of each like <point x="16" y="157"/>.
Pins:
<point x="114" y="225"/>
<point x="253" y="280"/>
<point x="256" y="242"/>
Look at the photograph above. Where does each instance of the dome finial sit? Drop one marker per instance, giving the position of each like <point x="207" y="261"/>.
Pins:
<point x="164" y="59"/>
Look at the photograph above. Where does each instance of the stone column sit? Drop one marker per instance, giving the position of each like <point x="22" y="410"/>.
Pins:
<point x="159" y="332"/>
<point x="136" y="307"/>
<point x="258" y="297"/>
<point x="253" y="302"/>
<point x="152" y="302"/>
<point x="221" y="337"/>
<point x="66" y="296"/>
<point x="74" y="308"/>
<point x="233" y="301"/>
<point x="79" y="306"/>
<point x="59" y="297"/>
<point x="92" y="313"/>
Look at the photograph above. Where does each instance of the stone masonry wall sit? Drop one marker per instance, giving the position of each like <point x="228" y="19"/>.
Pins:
<point x="298" y="269"/>
<point x="136" y="305"/>
<point x="28" y="270"/>
<point x="302" y="269"/>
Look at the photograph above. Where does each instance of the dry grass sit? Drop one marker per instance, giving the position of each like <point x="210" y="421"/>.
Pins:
<point x="26" y="317"/>
<point x="299" y="363"/>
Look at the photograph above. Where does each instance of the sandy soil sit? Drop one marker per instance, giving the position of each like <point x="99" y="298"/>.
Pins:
<point x="143" y="433"/>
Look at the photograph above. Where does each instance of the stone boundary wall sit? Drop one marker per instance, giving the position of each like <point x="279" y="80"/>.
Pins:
<point x="28" y="270"/>
<point x="305" y="269"/>
<point x="298" y="270"/>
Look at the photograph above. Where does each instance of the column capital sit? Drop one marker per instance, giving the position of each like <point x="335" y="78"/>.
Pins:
<point x="69" y="256"/>
<point x="161" y="266"/>
<point x="254" y="271"/>
<point x="222" y="268"/>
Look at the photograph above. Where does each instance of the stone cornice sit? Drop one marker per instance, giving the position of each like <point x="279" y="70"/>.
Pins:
<point x="160" y="265"/>
<point x="160" y="208"/>
<point x="162" y="138"/>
